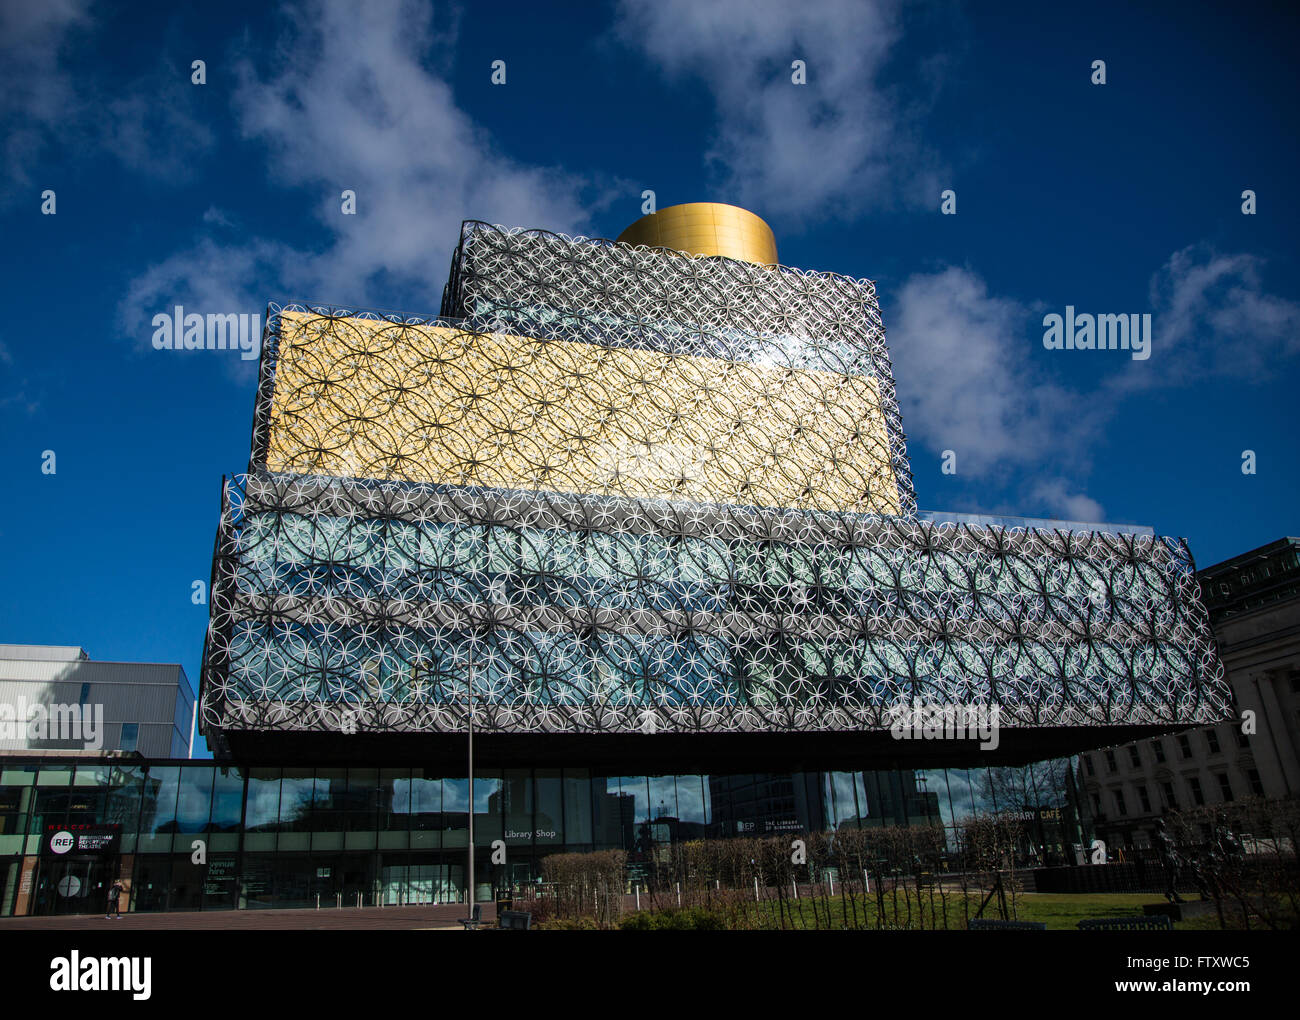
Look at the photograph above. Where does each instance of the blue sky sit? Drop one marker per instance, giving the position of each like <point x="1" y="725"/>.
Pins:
<point x="1115" y="198"/>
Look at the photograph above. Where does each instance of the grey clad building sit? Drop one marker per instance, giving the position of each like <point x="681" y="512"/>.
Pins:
<point x="118" y="706"/>
<point x="67" y="724"/>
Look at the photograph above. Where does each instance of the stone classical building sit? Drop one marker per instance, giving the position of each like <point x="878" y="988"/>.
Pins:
<point x="1254" y="605"/>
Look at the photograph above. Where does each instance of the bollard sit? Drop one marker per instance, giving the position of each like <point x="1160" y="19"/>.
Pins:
<point x="795" y="887"/>
<point x="318" y="901"/>
<point x="755" y="888"/>
<point x="831" y="879"/>
<point x="679" y="895"/>
<point x="638" y="895"/>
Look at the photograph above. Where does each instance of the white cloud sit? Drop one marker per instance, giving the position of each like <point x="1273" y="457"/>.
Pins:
<point x="1058" y="498"/>
<point x="1212" y="316"/>
<point x="352" y="105"/>
<point x="152" y="127"/>
<point x="840" y="144"/>
<point x="967" y="382"/>
<point x="966" y="378"/>
<point x="36" y="92"/>
<point x="53" y="103"/>
<point x="219" y="217"/>
<point x="209" y="277"/>
<point x="963" y="366"/>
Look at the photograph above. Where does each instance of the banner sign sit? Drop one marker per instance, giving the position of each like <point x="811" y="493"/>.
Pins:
<point x="63" y="840"/>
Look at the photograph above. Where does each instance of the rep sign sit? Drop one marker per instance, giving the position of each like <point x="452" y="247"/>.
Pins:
<point x="98" y="840"/>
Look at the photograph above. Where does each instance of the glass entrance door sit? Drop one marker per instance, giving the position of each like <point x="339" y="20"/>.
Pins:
<point x="77" y="885"/>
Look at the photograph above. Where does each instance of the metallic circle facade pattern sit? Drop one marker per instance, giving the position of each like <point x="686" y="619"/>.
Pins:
<point x="363" y="589"/>
<point x="378" y="599"/>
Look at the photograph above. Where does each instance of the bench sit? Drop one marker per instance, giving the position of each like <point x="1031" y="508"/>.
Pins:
<point x="475" y="919"/>
<point x="989" y="924"/>
<point x="1151" y="922"/>
<point x="515" y="920"/>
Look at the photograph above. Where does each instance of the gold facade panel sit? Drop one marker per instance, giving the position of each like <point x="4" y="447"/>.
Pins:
<point x="420" y="403"/>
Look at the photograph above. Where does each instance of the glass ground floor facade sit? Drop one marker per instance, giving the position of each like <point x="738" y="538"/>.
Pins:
<point x="187" y="835"/>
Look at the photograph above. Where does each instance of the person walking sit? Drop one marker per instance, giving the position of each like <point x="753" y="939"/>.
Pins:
<point x="114" y="899"/>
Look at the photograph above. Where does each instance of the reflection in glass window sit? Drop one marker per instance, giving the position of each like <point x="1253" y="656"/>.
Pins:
<point x="92" y="775"/>
<point x="455" y="816"/>
<point x="54" y="776"/>
<point x="634" y="787"/>
<point x="886" y="799"/>
<point x="262" y="811"/>
<point x="488" y="805"/>
<point x="613" y="813"/>
<point x="577" y="808"/>
<point x="960" y="803"/>
<point x="296" y="789"/>
<point x="662" y="799"/>
<point x="361" y="799"/>
<point x="126" y="788"/>
<point x="516" y="800"/>
<point x="88" y="797"/>
<point x="194" y="803"/>
<point x="692" y="807"/>
<point x="923" y="804"/>
<point x="395" y="799"/>
<point x="227" y="798"/>
<point x="158" y="812"/>
<point x="426" y="804"/>
<point x="842" y="793"/>
<point x="548" y="819"/>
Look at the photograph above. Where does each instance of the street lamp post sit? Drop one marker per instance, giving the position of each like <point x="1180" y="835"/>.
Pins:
<point x="469" y="897"/>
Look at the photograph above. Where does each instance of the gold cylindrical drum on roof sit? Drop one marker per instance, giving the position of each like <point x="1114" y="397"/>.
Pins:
<point x="706" y="228"/>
